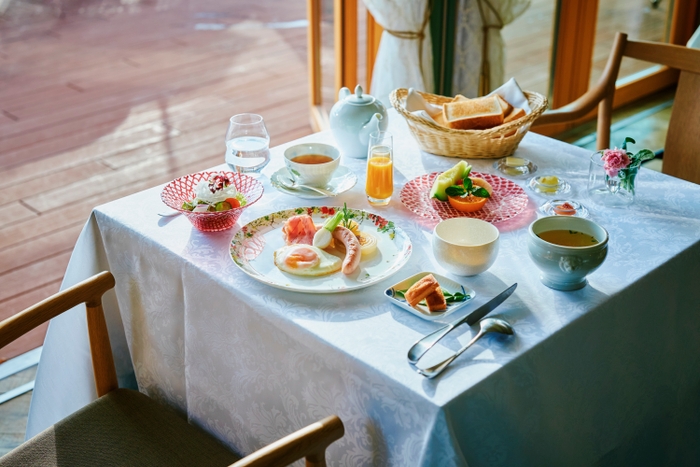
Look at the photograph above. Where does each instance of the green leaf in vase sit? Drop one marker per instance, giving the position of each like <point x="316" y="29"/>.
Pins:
<point x="644" y="155"/>
<point x="627" y="140"/>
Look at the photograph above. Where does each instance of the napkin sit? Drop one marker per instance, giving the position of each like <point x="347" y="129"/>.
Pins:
<point x="420" y="108"/>
<point x="510" y="91"/>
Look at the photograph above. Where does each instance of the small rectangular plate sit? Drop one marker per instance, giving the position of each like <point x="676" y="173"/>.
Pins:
<point x="422" y="310"/>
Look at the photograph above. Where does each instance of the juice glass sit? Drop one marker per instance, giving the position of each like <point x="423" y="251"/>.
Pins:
<point x="380" y="169"/>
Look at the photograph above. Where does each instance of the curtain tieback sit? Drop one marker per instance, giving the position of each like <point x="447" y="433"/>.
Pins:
<point x="485" y="77"/>
<point x="420" y="35"/>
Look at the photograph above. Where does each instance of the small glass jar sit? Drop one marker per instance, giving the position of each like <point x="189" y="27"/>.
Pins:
<point x="549" y="185"/>
<point x="516" y="167"/>
<point x="564" y="207"/>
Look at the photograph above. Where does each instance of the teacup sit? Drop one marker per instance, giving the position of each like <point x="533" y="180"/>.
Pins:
<point x="566" y="267"/>
<point x="465" y="246"/>
<point x="312" y="163"/>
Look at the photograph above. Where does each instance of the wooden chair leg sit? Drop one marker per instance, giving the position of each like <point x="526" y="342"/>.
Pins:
<point x="604" y="120"/>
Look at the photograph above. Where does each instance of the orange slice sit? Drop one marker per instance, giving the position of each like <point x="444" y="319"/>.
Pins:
<point x="467" y="204"/>
<point x="471" y="203"/>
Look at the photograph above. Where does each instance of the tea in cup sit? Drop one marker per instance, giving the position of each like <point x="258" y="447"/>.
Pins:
<point x="312" y="164"/>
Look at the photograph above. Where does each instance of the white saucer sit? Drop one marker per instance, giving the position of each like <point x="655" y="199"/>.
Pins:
<point x="343" y="180"/>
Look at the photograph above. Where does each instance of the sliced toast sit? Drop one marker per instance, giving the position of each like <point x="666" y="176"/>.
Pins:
<point x="473" y="114"/>
<point x="514" y="114"/>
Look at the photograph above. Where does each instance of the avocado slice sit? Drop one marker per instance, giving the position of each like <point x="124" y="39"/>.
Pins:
<point x="449" y="178"/>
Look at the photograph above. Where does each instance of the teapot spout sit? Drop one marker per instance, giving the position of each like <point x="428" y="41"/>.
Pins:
<point x="373" y="125"/>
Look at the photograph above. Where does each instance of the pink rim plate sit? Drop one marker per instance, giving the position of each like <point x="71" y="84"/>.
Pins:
<point x="507" y="201"/>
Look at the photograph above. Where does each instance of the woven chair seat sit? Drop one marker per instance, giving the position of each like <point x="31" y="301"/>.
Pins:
<point x="121" y="428"/>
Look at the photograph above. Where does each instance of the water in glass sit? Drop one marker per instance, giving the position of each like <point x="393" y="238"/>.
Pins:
<point x="247" y="143"/>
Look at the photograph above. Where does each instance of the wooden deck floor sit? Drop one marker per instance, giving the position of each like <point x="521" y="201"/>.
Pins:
<point x="100" y="99"/>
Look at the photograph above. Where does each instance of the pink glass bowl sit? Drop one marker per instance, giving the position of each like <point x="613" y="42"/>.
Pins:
<point x="182" y="189"/>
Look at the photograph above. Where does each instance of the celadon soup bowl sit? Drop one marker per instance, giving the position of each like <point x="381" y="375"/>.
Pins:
<point x="566" y="267"/>
<point x="465" y="246"/>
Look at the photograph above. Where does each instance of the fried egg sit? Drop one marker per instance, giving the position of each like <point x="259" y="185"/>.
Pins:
<point x="306" y="260"/>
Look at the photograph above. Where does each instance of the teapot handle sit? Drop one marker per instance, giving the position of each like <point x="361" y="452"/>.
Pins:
<point x="343" y="93"/>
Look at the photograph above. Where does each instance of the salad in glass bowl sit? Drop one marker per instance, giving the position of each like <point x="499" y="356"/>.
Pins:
<point x="212" y="201"/>
<point x="216" y="194"/>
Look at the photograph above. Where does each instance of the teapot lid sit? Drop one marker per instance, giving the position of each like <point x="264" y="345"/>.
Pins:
<point x="359" y="98"/>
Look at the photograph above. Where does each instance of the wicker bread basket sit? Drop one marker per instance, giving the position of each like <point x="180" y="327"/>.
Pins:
<point x="495" y="142"/>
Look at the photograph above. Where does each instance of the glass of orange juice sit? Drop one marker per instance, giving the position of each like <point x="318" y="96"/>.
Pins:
<point x="380" y="168"/>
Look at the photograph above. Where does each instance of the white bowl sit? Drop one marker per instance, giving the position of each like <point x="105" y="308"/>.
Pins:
<point x="317" y="175"/>
<point x="465" y="246"/>
<point x="566" y="267"/>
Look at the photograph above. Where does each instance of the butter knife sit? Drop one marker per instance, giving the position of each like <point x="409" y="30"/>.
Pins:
<point x="425" y="343"/>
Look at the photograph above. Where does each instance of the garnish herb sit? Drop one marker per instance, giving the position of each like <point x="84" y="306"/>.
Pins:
<point x="449" y="297"/>
<point x="467" y="189"/>
<point x="348" y="215"/>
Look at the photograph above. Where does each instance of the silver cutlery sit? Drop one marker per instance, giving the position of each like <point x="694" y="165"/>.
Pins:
<point x="293" y="185"/>
<point x="424" y="344"/>
<point x="487" y="325"/>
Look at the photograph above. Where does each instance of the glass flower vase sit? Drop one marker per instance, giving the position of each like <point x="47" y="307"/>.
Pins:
<point x="611" y="191"/>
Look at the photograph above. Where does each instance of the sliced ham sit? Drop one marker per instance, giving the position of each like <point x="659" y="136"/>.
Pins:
<point x="299" y="230"/>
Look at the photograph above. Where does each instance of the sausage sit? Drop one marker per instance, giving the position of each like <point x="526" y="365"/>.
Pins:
<point x="352" y="248"/>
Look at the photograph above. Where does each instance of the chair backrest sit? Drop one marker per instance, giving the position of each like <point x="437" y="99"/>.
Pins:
<point x="682" y="149"/>
<point x="90" y="292"/>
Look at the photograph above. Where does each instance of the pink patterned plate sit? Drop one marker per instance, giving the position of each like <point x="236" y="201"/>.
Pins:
<point x="507" y="201"/>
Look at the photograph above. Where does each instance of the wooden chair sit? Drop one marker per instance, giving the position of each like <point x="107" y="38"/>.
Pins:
<point x="682" y="148"/>
<point x="124" y="427"/>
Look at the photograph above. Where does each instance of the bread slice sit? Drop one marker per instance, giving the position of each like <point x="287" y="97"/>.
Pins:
<point x="421" y="289"/>
<point x="473" y="114"/>
<point x="514" y="114"/>
<point x="436" y="301"/>
<point x="505" y="105"/>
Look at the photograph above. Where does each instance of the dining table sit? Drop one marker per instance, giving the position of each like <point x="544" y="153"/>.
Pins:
<point x="605" y="375"/>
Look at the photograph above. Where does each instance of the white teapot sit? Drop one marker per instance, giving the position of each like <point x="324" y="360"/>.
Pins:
<point x="352" y="120"/>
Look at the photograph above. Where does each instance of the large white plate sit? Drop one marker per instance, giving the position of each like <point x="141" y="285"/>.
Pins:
<point x="253" y="246"/>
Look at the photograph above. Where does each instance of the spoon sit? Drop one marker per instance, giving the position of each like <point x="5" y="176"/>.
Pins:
<point x="289" y="183"/>
<point x="169" y="213"/>
<point x="486" y="325"/>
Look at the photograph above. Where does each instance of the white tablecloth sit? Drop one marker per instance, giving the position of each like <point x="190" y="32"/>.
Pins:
<point x="609" y="374"/>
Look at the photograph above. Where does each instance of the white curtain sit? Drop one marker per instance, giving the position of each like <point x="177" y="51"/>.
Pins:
<point x="405" y="56"/>
<point x="472" y="16"/>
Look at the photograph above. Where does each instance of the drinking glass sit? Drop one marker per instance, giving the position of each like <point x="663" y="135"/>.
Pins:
<point x="615" y="192"/>
<point x="380" y="168"/>
<point x="247" y="143"/>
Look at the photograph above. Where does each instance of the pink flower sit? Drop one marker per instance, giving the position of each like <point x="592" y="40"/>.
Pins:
<point x="614" y="160"/>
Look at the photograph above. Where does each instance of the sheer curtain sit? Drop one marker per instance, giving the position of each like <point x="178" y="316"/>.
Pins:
<point x="479" y="50"/>
<point x="405" y="56"/>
